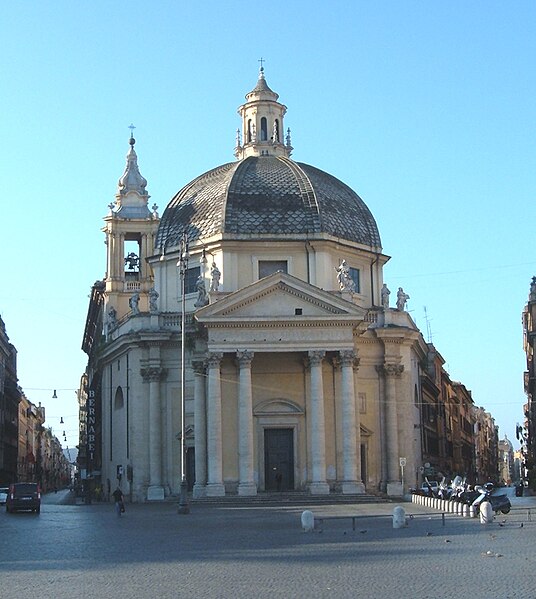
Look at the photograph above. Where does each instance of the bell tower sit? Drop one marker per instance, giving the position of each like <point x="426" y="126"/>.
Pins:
<point x="130" y="229"/>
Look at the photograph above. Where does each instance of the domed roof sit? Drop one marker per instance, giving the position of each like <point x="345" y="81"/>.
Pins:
<point x="267" y="195"/>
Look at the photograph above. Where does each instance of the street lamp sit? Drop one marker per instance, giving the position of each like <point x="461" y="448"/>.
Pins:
<point x="182" y="265"/>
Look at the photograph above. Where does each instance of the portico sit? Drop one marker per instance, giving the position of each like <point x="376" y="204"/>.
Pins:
<point x="280" y="383"/>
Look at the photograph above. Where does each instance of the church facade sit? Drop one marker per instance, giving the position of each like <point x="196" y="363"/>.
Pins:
<point x="298" y="374"/>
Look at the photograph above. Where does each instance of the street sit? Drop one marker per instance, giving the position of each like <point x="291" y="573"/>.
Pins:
<point x="75" y="551"/>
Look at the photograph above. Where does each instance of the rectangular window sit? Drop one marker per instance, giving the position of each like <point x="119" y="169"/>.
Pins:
<point x="192" y="274"/>
<point x="268" y="267"/>
<point x="354" y="275"/>
<point x="362" y="399"/>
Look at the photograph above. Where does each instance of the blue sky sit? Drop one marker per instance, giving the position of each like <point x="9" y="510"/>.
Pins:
<point x="425" y="109"/>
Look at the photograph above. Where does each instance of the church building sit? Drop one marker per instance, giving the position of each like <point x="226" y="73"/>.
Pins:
<point x="296" y="373"/>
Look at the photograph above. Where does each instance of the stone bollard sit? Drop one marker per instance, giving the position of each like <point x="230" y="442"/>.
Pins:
<point x="486" y="513"/>
<point x="465" y="510"/>
<point x="472" y="511"/>
<point x="399" y="517"/>
<point x="307" y="521"/>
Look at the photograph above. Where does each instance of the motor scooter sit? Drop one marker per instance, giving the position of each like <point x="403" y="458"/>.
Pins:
<point x="499" y="503"/>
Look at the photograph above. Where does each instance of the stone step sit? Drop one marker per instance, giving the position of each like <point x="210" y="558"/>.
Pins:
<point x="296" y="498"/>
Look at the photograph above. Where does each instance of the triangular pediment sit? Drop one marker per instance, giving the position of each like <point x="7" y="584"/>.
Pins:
<point x="281" y="296"/>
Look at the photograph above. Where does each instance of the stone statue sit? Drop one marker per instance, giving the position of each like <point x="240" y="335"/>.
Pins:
<point x="215" y="277"/>
<point x="153" y="297"/>
<point x="401" y="299"/>
<point x="346" y="283"/>
<point x="112" y="318"/>
<point x="385" y="293"/>
<point x="133" y="302"/>
<point x="532" y="295"/>
<point x="202" y="299"/>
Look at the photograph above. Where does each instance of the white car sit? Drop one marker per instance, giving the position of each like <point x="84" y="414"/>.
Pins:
<point x="3" y="494"/>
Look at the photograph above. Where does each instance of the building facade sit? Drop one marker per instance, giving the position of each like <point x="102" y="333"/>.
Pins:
<point x="31" y="423"/>
<point x="10" y="396"/>
<point x="299" y="372"/>
<point x="527" y="431"/>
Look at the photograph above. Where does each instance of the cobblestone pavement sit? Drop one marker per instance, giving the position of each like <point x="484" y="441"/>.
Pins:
<point x="71" y="551"/>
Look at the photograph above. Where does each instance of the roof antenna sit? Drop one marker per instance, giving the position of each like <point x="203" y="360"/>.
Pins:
<point x="428" y="326"/>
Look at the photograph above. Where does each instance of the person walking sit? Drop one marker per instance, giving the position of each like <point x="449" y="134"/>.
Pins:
<point x="119" y="502"/>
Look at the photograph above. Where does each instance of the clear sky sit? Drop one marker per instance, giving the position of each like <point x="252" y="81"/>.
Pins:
<point x="425" y="109"/>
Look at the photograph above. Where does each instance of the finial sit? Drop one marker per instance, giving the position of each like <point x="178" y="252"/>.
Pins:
<point x="261" y="70"/>
<point x="132" y="141"/>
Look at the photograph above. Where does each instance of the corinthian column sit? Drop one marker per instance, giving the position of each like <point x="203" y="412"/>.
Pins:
<point x="152" y="375"/>
<point x="200" y="430"/>
<point x="351" y="438"/>
<point x="391" y="372"/>
<point x="246" y="485"/>
<point x="215" y="487"/>
<point x="318" y="485"/>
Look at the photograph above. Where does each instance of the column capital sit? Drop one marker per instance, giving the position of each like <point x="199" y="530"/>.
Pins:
<point x="244" y="358"/>
<point x="153" y="374"/>
<point x="315" y="357"/>
<point x="346" y="357"/>
<point x="214" y="359"/>
<point x="394" y="370"/>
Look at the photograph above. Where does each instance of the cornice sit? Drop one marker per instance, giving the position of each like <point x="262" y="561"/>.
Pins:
<point x="247" y="323"/>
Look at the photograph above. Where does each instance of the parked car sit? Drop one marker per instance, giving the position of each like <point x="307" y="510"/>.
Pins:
<point x="3" y="494"/>
<point x="23" y="496"/>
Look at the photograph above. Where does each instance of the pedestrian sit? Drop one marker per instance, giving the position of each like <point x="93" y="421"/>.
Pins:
<point x="119" y="503"/>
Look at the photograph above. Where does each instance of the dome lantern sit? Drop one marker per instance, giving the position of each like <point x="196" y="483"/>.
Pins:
<point x="262" y="123"/>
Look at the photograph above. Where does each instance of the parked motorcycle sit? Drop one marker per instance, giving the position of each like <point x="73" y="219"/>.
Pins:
<point x="499" y="503"/>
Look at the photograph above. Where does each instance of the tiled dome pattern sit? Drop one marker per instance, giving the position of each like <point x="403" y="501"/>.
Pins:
<point x="267" y="195"/>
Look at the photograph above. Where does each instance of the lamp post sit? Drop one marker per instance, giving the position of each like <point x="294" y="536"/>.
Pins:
<point x="182" y="265"/>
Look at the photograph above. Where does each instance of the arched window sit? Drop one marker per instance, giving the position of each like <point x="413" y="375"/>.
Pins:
<point x="275" y="133"/>
<point x="249" y="132"/>
<point x="264" y="129"/>
<point x="118" y="401"/>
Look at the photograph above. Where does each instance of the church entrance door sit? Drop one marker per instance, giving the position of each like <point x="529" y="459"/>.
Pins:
<point x="278" y="459"/>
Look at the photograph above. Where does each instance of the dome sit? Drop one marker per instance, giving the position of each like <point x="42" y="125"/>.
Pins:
<point x="267" y="196"/>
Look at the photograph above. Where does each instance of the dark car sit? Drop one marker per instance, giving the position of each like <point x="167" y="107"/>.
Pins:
<point x="23" y="496"/>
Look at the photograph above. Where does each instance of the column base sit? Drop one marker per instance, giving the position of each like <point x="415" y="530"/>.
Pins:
<point x="394" y="489"/>
<point x="247" y="489"/>
<point x="352" y="487"/>
<point x="155" y="493"/>
<point x="319" y="488"/>
<point x="215" y="490"/>
<point x="199" y="491"/>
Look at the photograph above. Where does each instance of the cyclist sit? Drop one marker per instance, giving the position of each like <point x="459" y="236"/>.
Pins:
<point x="119" y="503"/>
